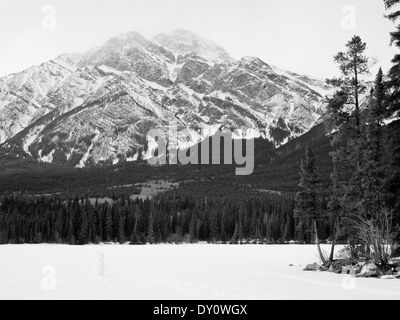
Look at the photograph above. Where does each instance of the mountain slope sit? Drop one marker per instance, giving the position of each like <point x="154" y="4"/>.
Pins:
<point x="98" y="107"/>
<point x="23" y="96"/>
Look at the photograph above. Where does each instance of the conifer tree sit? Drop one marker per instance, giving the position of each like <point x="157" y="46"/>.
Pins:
<point x="192" y="229"/>
<point x="268" y="229"/>
<point x="344" y="108"/>
<point x="213" y="223"/>
<point x="109" y="224"/>
<point x="59" y="227"/>
<point x="235" y="237"/>
<point x="353" y="64"/>
<point x="121" y="229"/>
<point x="240" y="232"/>
<point x="223" y="224"/>
<point x="307" y="208"/>
<point x="394" y="74"/>
<point x="83" y="234"/>
<point x="71" y="232"/>
<point x="345" y="126"/>
<point x="393" y="83"/>
<point x="287" y="230"/>
<point x="373" y="163"/>
<point x="150" y="229"/>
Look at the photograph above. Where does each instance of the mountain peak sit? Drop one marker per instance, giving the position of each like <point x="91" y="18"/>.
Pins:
<point x="129" y="38"/>
<point x="98" y="108"/>
<point x="186" y="42"/>
<point x="184" y="32"/>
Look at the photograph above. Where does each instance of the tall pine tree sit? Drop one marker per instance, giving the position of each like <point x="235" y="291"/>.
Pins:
<point x="373" y="173"/>
<point x="393" y="183"/>
<point x="307" y="208"/>
<point x="353" y="64"/>
<point x="345" y="126"/>
<point x="394" y="74"/>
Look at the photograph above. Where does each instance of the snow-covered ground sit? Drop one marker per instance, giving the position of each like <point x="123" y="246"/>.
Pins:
<point x="176" y="272"/>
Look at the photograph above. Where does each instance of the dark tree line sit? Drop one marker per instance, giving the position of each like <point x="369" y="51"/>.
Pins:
<point x="168" y="218"/>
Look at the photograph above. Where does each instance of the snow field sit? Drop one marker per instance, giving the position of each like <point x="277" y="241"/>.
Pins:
<point x="194" y="272"/>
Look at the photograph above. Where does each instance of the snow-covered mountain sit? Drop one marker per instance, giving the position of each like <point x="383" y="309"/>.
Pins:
<point x="98" y="107"/>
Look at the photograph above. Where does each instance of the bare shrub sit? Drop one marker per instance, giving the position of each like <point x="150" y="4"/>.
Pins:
<point x="376" y="234"/>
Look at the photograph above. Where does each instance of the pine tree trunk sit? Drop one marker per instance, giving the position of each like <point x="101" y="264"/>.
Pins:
<point x="331" y="257"/>
<point x="358" y="119"/>
<point x="324" y="262"/>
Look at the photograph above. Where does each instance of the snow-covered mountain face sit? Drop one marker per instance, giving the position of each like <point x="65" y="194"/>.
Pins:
<point x="98" y="107"/>
<point x="186" y="44"/>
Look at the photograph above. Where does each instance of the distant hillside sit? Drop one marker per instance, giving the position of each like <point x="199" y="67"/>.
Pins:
<point x="275" y="169"/>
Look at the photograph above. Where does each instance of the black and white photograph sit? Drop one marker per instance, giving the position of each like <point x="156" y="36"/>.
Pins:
<point x="200" y="156"/>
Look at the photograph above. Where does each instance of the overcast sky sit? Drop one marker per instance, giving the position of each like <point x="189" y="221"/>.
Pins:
<point x="298" y="35"/>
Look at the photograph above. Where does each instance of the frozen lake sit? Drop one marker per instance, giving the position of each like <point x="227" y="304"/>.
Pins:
<point x="204" y="272"/>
